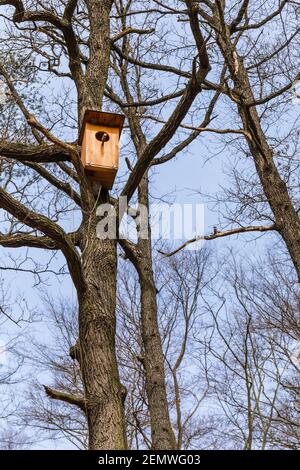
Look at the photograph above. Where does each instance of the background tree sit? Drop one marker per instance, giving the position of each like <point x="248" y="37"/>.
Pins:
<point x="255" y="42"/>
<point x="253" y="369"/>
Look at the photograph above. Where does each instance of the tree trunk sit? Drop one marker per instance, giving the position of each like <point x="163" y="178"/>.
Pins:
<point x="275" y="189"/>
<point x="104" y="393"/>
<point x="90" y="92"/>
<point x="163" y="437"/>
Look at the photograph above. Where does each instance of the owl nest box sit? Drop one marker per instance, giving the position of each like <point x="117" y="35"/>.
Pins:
<point x="99" y="139"/>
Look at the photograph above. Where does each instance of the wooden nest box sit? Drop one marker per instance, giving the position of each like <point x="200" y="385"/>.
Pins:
<point x="99" y="139"/>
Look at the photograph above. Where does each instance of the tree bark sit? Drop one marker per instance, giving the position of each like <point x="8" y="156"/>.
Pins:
<point x="104" y="394"/>
<point x="90" y="95"/>
<point x="163" y="437"/>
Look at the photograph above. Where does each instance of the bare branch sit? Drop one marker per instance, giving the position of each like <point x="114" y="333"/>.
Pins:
<point x="70" y="9"/>
<point x="259" y="24"/>
<point x="34" y="153"/>
<point x="147" y="65"/>
<point x="240" y="15"/>
<point x="213" y="236"/>
<point x="126" y="31"/>
<point x="65" y="397"/>
<point x="61" y="185"/>
<point x="49" y="228"/>
<point x="166" y="133"/>
<point x="21" y="239"/>
<point x="199" y="39"/>
<point x="275" y="94"/>
<point x="24" y="239"/>
<point x="64" y="25"/>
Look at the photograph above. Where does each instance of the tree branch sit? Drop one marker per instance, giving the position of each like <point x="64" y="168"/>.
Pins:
<point x="166" y="133"/>
<point x="275" y="94"/>
<point x="126" y="31"/>
<point x="264" y="21"/>
<point x="34" y="153"/>
<point x="61" y="185"/>
<point x="202" y="128"/>
<point x="49" y="228"/>
<point x="67" y="398"/>
<point x="147" y="65"/>
<point x="31" y="120"/>
<point x="195" y="27"/>
<point x="196" y="131"/>
<point x="215" y="235"/>
<point x="21" y="239"/>
<point x="19" y="8"/>
<point x="130" y="250"/>
<point x="63" y="24"/>
<point x="193" y="88"/>
<point x="24" y="239"/>
<point x="138" y="104"/>
<point x="69" y="10"/>
<point x="240" y="15"/>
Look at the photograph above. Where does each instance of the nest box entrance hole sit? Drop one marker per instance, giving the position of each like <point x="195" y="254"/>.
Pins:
<point x="102" y="137"/>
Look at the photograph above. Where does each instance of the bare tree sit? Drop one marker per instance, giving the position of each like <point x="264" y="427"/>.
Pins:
<point x="78" y="33"/>
<point x="117" y="54"/>
<point x="252" y="372"/>
<point x="257" y="91"/>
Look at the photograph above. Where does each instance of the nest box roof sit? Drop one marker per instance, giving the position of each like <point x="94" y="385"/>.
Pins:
<point x="100" y="118"/>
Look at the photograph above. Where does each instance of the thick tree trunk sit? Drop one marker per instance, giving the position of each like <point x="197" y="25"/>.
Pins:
<point x="104" y="393"/>
<point x="90" y="92"/>
<point x="286" y="218"/>
<point x="163" y="437"/>
<point x="275" y="189"/>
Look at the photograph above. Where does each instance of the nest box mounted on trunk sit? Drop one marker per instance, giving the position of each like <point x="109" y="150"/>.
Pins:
<point x="99" y="139"/>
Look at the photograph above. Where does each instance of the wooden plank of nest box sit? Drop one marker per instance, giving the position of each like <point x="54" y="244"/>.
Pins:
<point x="100" y="118"/>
